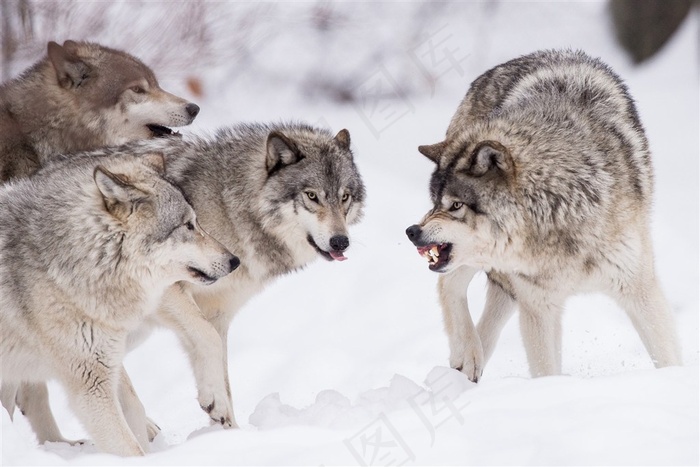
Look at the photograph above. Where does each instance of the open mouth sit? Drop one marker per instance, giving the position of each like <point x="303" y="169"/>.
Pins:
<point x="160" y="131"/>
<point x="329" y="255"/>
<point x="437" y="254"/>
<point x="201" y="275"/>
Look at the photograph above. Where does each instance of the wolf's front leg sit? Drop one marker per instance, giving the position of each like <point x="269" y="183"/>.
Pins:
<point x="498" y="309"/>
<point x="203" y="344"/>
<point x="466" y="353"/>
<point x="221" y="325"/>
<point x="92" y="387"/>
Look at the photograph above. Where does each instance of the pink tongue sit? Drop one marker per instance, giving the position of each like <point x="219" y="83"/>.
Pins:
<point x="337" y="255"/>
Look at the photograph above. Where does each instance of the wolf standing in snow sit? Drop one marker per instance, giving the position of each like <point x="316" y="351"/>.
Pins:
<point x="545" y="182"/>
<point x="86" y="252"/>
<point x="80" y="97"/>
<point x="281" y="195"/>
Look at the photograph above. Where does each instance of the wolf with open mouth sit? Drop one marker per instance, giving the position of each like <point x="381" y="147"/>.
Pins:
<point x="80" y="97"/>
<point x="281" y="195"/>
<point x="545" y="182"/>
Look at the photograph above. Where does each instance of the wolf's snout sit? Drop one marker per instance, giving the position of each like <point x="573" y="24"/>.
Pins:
<point x="226" y="265"/>
<point x="413" y="233"/>
<point x="339" y="242"/>
<point x="192" y="109"/>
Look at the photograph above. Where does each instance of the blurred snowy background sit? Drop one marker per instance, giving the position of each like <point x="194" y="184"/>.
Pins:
<point x="347" y="363"/>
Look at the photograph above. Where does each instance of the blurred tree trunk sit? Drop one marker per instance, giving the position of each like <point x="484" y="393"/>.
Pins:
<point x="17" y="21"/>
<point x="644" y="26"/>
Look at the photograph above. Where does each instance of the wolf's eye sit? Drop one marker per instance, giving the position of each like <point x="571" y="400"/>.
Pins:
<point x="312" y="196"/>
<point x="138" y="89"/>
<point x="345" y="197"/>
<point x="456" y="206"/>
<point x="189" y="225"/>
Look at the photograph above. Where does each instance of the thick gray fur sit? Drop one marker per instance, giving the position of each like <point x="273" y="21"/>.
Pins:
<point x="87" y="250"/>
<point x="252" y="187"/>
<point x="544" y="181"/>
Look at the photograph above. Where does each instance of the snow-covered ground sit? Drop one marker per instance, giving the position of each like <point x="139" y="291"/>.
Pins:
<point x="346" y="363"/>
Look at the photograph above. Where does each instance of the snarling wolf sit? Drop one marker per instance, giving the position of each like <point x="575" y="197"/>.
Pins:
<point x="87" y="250"/>
<point x="80" y="97"/>
<point x="544" y="181"/>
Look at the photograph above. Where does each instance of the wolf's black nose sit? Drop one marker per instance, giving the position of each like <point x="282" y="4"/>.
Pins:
<point x="192" y="109"/>
<point x="234" y="262"/>
<point x="340" y="242"/>
<point x="413" y="232"/>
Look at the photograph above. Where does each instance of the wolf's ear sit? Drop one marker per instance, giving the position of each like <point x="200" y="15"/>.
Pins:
<point x="281" y="152"/>
<point x="489" y="155"/>
<point x="433" y="151"/>
<point x="155" y="161"/>
<point x="119" y="196"/>
<point x="343" y="139"/>
<point x="70" y="70"/>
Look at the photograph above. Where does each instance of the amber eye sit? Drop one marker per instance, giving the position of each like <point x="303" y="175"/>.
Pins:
<point x="456" y="206"/>
<point x="345" y="197"/>
<point x="312" y="196"/>
<point x="138" y="89"/>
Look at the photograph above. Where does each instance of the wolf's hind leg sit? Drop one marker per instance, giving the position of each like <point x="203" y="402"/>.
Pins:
<point x="33" y="402"/>
<point x="541" y="331"/>
<point x="133" y="410"/>
<point x="647" y="308"/>
<point x="8" y="396"/>
<point x="152" y="428"/>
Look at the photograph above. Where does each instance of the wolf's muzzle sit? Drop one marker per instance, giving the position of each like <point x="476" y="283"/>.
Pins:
<point x="233" y="263"/>
<point x="414" y="234"/>
<point x="192" y="110"/>
<point x="339" y="243"/>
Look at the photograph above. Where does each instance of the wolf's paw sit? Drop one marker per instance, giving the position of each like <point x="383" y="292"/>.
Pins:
<point x="77" y="442"/>
<point x="152" y="428"/>
<point x="219" y="409"/>
<point x="72" y="442"/>
<point x="470" y="362"/>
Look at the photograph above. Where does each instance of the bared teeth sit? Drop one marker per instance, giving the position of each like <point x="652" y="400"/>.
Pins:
<point x="432" y="255"/>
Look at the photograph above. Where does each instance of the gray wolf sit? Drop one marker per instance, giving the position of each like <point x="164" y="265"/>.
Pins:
<point x="80" y="97"/>
<point x="280" y="195"/>
<point x="544" y="181"/>
<point x="87" y="250"/>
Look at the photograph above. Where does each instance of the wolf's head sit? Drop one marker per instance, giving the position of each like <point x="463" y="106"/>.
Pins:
<point x="115" y="95"/>
<point x="158" y="224"/>
<point x="313" y="190"/>
<point x="471" y="191"/>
